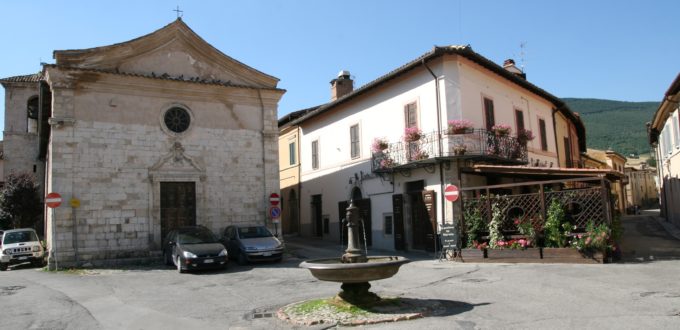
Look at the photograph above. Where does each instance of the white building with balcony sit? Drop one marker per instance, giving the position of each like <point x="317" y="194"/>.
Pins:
<point x="399" y="185"/>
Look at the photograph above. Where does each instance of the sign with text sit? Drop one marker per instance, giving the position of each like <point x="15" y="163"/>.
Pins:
<point x="449" y="237"/>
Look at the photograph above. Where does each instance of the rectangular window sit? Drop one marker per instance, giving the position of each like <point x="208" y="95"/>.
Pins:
<point x="411" y="115"/>
<point x="488" y="113"/>
<point x="544" y="135"/>
<point x="519" y="120"/>
<point x="387" y="224"/>
<point x="354" y="140"/>
<point x="291" y="153"/>
<point x="315" y="154"/>
<point x="666" y="140"/>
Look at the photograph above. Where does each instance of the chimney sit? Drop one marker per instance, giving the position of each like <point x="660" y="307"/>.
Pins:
<point x="342" y="85"/>
<point x="509" y="65"/>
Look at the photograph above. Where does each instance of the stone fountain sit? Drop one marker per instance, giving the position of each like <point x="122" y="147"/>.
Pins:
<point x="355" y="269"/>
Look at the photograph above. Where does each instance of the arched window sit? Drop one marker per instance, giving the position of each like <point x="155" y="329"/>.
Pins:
<point x="32" y="107"/>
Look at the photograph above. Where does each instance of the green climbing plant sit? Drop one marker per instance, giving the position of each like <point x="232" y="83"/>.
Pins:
<point x="474" y="224"/>
<point x="495" y="234"/>
<point x="556" y="226"/>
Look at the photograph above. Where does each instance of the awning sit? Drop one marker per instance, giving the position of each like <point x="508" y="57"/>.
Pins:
<point x="531" y="172"/>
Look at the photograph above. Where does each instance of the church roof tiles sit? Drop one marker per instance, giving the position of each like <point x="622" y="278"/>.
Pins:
<point x="28" y="78"/>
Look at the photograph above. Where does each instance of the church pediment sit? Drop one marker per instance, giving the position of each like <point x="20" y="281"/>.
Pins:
<point x="173" y="51"/>
<point x="177" y="161"/>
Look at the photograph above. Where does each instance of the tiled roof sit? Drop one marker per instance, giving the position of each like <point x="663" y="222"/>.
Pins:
<point x="36" y="77"/>
<point x="467" y="52"/>
<point x="165" y="76"/>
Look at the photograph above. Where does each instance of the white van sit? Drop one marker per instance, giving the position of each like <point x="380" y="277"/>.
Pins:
<point x="20" y="246"/>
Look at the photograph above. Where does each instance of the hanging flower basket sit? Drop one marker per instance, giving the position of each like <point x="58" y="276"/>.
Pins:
<point x="379" y="144"/>
<point x="524" y="136"/>
<point x="412" y="134"/>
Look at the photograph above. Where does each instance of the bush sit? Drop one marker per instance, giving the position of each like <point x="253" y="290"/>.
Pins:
<point x="20" y="205"/>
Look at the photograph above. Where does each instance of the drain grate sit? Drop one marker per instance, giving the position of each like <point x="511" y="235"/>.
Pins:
<point x="261" y="314"/>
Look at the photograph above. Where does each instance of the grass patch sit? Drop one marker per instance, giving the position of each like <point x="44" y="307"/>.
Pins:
<point x="335" y="305"/>
<point x="332" y="305"/>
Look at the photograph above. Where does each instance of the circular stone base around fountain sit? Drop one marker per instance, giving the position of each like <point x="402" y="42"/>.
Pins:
<point x="336" y="311"/>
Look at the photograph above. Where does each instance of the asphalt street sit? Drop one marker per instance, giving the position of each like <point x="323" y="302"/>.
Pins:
<point x="642" y="291"/>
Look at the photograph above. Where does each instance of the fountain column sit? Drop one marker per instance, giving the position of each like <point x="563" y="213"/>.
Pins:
<point x="353" y="254"/>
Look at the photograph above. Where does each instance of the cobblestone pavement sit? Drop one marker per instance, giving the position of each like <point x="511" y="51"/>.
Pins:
<point x="641" y="292"/>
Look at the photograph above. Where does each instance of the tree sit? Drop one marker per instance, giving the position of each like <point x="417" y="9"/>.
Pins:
<point x="20" y="205"/>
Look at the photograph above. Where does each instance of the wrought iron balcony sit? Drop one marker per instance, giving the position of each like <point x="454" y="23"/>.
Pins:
<point x="478" y="144"/>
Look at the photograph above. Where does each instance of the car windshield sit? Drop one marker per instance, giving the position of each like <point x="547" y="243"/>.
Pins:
<point x="254" y="232"/>
<point x="19" y="237"/>
<point x="197" y="236"/>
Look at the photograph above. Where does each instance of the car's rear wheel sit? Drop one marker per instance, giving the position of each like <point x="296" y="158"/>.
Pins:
<point x="242" y="259"/>
<point x="179" y="265"/>
<point x="3" y="266"/>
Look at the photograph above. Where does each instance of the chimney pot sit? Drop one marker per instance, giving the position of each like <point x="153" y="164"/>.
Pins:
<point x="342" y="85"/>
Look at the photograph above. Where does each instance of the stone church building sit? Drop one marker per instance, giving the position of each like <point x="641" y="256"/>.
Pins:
<point x="147" y="135"/>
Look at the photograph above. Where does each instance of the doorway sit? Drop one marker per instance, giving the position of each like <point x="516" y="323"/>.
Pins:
<point x="421" y="225"/>
<point x="178" y="205"/>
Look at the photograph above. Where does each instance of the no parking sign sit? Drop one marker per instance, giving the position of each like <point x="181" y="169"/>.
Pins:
<point x="275" y="214"/>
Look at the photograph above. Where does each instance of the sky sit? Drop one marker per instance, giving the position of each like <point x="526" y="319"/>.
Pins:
<point x="621" y="50"/>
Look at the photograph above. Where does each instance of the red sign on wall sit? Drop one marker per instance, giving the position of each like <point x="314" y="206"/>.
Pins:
<point x="451" y="193"/>
<point x="274" y="199"/>
<point x="53" y="200"/>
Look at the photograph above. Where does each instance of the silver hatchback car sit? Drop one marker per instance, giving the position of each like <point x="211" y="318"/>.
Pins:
<point x="252" y="243"/>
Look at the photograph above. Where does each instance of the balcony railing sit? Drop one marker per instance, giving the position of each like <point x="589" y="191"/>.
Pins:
<point x="474" y="143"/>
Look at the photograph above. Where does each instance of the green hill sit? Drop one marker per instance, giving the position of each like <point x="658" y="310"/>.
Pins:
<point x="615" y="125"/>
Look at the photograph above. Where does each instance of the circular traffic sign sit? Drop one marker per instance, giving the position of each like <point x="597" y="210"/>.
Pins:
<point x="274" y="199"/>
<point x="451" y="193"/>
<point x="53" y="200"/>
<point x="275" y="212"/>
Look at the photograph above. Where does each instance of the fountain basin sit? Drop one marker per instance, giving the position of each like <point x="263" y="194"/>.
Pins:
<point x="334" y="270"/>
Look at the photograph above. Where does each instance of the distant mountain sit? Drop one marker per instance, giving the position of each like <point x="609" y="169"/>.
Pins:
<point x="615" y="125"/>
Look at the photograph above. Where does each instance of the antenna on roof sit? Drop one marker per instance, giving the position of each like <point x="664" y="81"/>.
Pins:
<point x="522" y="53"/>
<point x="179" y="12"/>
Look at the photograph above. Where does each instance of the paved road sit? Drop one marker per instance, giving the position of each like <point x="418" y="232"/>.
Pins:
<point x="642" y="292"/>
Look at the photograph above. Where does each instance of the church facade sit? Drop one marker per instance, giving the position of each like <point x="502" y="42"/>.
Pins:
<point x="147" y="135"/>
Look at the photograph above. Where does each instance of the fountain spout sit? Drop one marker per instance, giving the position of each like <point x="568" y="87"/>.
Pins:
<point x="353" y="254"/>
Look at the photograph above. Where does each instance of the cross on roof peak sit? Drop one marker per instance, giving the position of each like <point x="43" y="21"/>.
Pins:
<point x="179" y="12"/>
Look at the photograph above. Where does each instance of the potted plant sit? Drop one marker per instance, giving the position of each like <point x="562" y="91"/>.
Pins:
<point x="386" y="162"/>
<point x="524" y="136"/>
<point x="459" y="126"/>
<point x="594" y="242"/>
<point x="379" y="144"/>
<point x="419" y="155"/>
<point x="501" y="129"/>
<point x="459" y="149"/>
<point x="412" y="134"/>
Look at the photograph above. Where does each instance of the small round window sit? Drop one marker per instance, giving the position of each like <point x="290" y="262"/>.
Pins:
<point x="177" y="120"/>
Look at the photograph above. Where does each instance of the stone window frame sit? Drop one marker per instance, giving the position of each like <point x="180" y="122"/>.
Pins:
<point x="161" y="118"/>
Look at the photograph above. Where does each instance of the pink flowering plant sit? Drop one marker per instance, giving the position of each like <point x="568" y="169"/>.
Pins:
<point x="412" y="134"/>
<point x="386" y="162"/>
<point x="501" y="129"/>
<point x="517" y="244"/>
<point x="379" y="144"/>
<point x="459" y="126"/>
<point x="524" y="136"/>
<point x="596" y="238"/>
